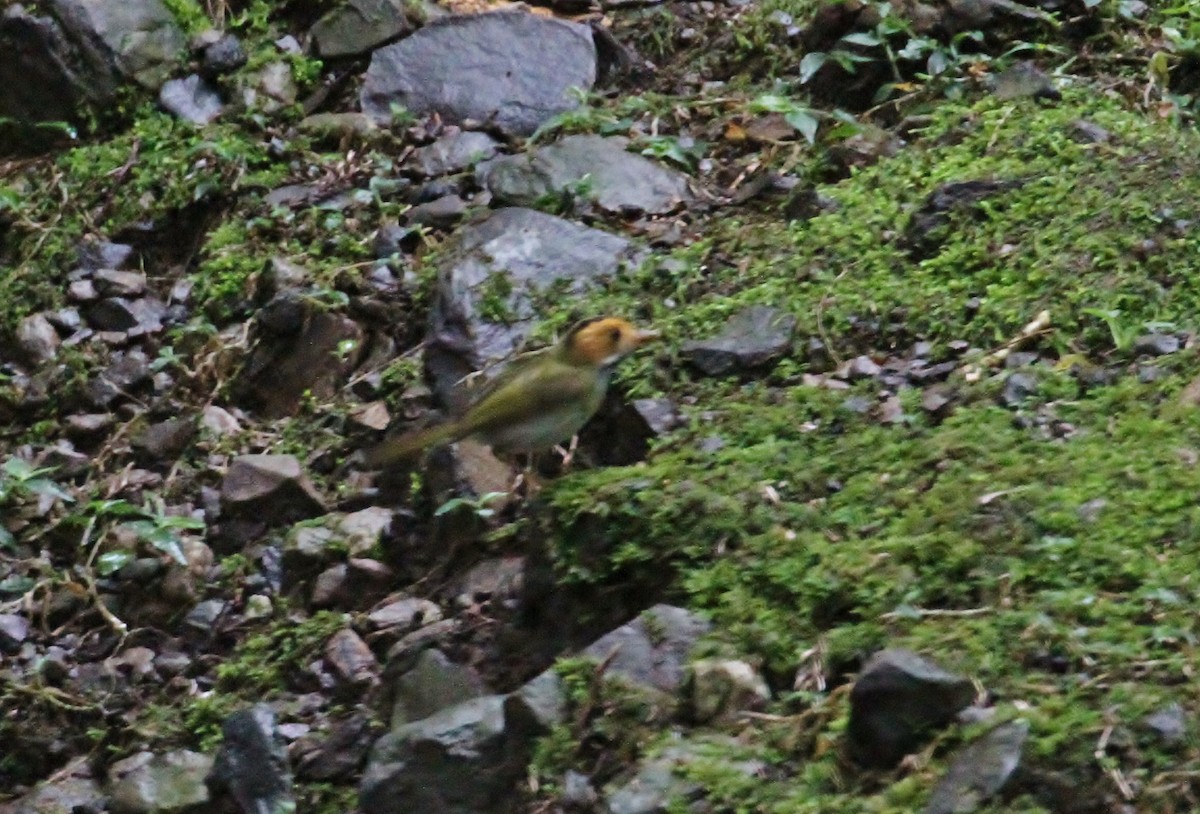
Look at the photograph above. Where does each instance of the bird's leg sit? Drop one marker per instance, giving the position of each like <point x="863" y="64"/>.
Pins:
<point x="527" y="478"/>
<point x="568" y="454"/>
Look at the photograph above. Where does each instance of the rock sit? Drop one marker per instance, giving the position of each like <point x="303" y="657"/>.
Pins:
<point x="502" y="262"/>
<point x="191" y="99"/>
<point x="269" y="89"/>
<point x="405" y="614"/>
<point x="361" y="531"/>
<point x="455" y="151"/>
<point x="593" y="169"/>
<point x="720" y="688"/>
<point x="96" y="254"/>
<point x="14" y="629"/>
<point x="980" y="770"/>
<point x="1170" y="723"/>
<point x="82" y="291"/>
<point x="1088" y="132"/>
<point x="333" y="755"/>
<point x="1025" y="79"/>
<point x="926" y="228"/>
<point x="896" y="700"/>
<point x="116" y="283"/>
<point x="251" y="765"/>
<point x="301" y="350"/>
<point x="139" y="40"/>
<point x="658" y="785"/>
<point x="352" y="661"/>
<point x="862" y="367"/>
<point x="1017" y="388"/>
<point x="659" y="415"/>
<point x="359" y="26"/>
<point x="140" y="316"/>
<point x="219" y="421"/>
<point x="537" y="706"/>
<point x="651" y="652"/>
<point x="204" y="616"/>
<point x="173" y="781"/>
<point x="165" y="440"/>
<point x="37" y="340"/>
<point x="223" y="56"/>
<point x="127" y="371"/>
<point x="338" y="126"/>
<point x="442" y="212"/>
<point x="70" y="789"/>
<point x="495" y="580"/>
<point x="456" y="760"/>
<point x="1156" y="344"/>
<point x="750" y="339"/>
<point x="269" y="488"/>
<point x="432" y="684"/>
<point x="478" y="67"/>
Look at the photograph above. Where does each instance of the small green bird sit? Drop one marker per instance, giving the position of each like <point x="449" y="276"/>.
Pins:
<point x="539" y="400"/>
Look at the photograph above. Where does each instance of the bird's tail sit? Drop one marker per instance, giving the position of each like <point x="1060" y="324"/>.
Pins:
<point x="408" y="446"/>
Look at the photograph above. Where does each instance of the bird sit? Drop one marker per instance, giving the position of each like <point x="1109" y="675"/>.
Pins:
<point x="540" y="399"/>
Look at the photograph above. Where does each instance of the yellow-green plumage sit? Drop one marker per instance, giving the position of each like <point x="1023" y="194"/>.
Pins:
<point x="539" y="400"/>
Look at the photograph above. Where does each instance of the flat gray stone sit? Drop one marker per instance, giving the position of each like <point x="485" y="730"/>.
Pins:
<point x="980" y="770"/>
<point x="191" y="99"/>
<point x="750" y="339"/>
<point x="358" y="26"/>
<point x="592" y="169"/>
<point x="482" y="67"/>
<point x="451" y="153"/>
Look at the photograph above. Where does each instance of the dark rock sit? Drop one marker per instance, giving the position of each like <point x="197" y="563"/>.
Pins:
<point x="116" y="283"/>
<point x="359" y="26"/>
<point x="1025" y="79"/>
<point x="513" y="254"/>
<point x="394" y="239"/>
<point x="65" y="319"/>
<point x="658" y="783"/>
<point x="750" y="339"/>
<point x="1170" y="723"/>
<point x="1156" y="344"/>
<point x="496" y="579"/>
<point x="1019" y="358"/>
<point x="980" y="770"/>
<point x="70" y="790"/>
<point x="431" y="684"/>
<point x="652" y="651"/>
<point x="352" y="661"/>
<point x="335" y="755"/>
<point x="191" y="99"/>
<point x="173" y="781"/>
<point x="165" y="440"/>
<point x="204" y="616"/>
<point x="96" y="254"/>
<point x="138" y="40"/>
<point x="442" y="212"/>
<point x="143" y="316"/>
<point x="589" y="169"/>
<point x="1088" y="132"/>
<point x="269" y="488"/>
<point x="1017" y="388"/>
<point x="119" y="379"/>
<point x="455" y="151"/>
<point x="224" y="56"/>
<point x="302" y="350"/>
<point x="457" y="760"/>
<point x="478" y="67"/>
<point x="251" y="765"/>
<point x="37" y="341"/>
<point x="405" y="614"/>
<point x="898" y="698"/>
<point x="926" y="228"/>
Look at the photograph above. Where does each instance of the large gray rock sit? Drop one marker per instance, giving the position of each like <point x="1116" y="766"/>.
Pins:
<point x="897" y="700"/>
<point x="252" y="764"/>
<point x="39" y="80"/>
<point x="483" y="306"/>
<point x="135" y="39"/>
<point x="750" y="339"/>
<point x="452" y="152"/>
<point x="270" y="489"/>
<point x="484" y="67"/>
<point x="980" y="770"/>
<point x="191" y="99"/>
<point x="588" y="169"/>
<point x="651" y="651"/>
<point x="432" y="684"/>
<point x="358" y="26"/>
<point x="170" y="782"/>
<point x="70" y="789"/>
<point x="658" y="786"/>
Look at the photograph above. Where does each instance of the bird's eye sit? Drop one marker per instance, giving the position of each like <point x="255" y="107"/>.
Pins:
<point x="615" y="335"/>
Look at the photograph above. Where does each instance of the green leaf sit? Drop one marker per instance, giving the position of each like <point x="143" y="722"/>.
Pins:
<point x="862" y="38"/>
<point x="43" y="487"/>
<point x="6" y="538"/>
<point x="804" y="122"/>
<point x="110" y="562"/>
<point x="811" y="63"/>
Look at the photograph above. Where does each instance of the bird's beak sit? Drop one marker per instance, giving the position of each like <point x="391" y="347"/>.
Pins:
<point x="642" y="337"/>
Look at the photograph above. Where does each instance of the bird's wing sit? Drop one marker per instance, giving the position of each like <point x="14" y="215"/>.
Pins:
<point x="531" y="390"/>
<point x="476" y="393"/>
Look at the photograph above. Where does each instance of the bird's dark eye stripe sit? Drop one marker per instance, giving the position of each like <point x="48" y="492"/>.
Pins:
<point x="615" y="334"/>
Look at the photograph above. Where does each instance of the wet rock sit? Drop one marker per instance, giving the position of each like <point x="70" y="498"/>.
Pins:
<point x="477" y="67"/>
<point x="980" y="770"/>
<point x="1156" y="344"/>
<point x="127" y="371"/>
<point x="503" y="261"/>
<point x="652" y="651"/>
<point x="173" y="781"/>
<point x="658" y="783"/>
<point x="442" y="212"/>
<point x="301" y="350"/>
<point x="191" y="99"/>
<point x="720" y="688"/>
<point x="333" y="755"/>
<point x="37" y="340"/>
<point x="455" y="151"/>
<point x="431" y="684"/>
<point x="352" y="661"/>
<point x="750" y="339"/>
<point x="589" y="169"/>
<point x="359" y="26"/>
<point x="1017" y="388"/>
<point x="456" y="760"/>
<point x="1169" y="724"/>
<point x="269" y="488"/>
<point x="251" y="765"/>
<point x="165" y="440"/>
<point x="69" y="790"/>
<point x="898" y="698"/>
<point x="223" y="56"/>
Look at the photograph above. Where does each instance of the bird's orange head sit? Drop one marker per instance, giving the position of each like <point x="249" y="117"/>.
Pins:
<point x="604" y="340"/>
